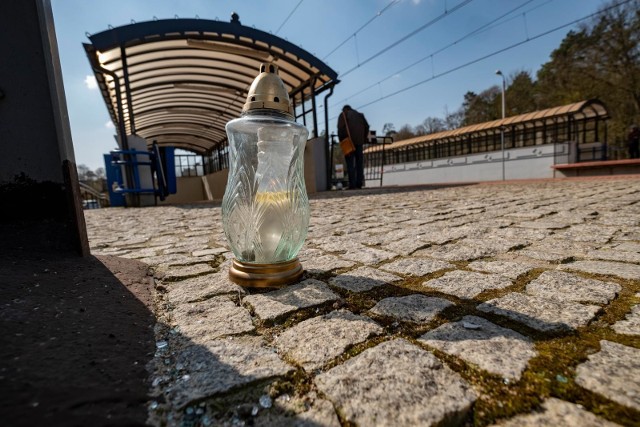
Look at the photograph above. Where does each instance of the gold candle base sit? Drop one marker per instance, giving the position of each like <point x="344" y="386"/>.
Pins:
<point x="277" y="275"/>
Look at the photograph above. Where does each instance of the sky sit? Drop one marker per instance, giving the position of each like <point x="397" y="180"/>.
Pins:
<point x="412" y="60"/>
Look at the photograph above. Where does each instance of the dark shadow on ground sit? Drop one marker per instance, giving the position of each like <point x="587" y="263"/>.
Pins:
<point x="76" y="336"/>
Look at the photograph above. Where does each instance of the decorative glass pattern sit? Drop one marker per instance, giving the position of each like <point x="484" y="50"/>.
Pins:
<point x="265" y="209"/>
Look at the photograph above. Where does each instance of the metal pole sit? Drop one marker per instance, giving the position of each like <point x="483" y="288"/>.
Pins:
<point x="502" y="126"/>
<point x="327" y="149"/>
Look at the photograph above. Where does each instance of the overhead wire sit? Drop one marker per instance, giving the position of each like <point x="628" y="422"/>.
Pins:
<point x="494" y="53"/>
<point x="378" y="14"/>
<point x="497" y="52"/>
<point x="289" y="16"/>
<point x="404" y="38"/>
<point x="442" y="49"/>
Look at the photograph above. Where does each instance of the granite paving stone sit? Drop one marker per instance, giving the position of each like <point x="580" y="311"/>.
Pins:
<point x="495" y="244"/>
<point x="368" y="256"/>
<point x="315" y="261"/>
<point x="527" y="234"/>
<point x="418" y="389"/>
<point x="457" y="252"/>
<point x="542" y="314"/>
<point x="185" y="248"/>
<point x="415" y="308"/>
<point x="570" y="287"/>
<point x="318" y="340"/>
<point x="631" y="324"/>
<point x="405" y="246"/>
<point x="495" y="349"/>
<point x="275" y="304"/>
<point x="562" y="247"/>
<point x="627" y="246"/>
<point x="363" y="279"/>
<point x="613" y="372"/>
<point x="544" y="255"/>
<point x="609" y="268"/>
<point x="218" y="366"/>
<point x="173" y="274"/>
<point x="615" y="255"/>
<point x="509" y="269"/>
<point x="209" y="251"/>
<point x="416" y="266"/>
<point x="210" y="319"/>
<point x="201" y="287"/>
<point x="593" y="233"/>
<point x="467" y="284"/>
<point x="147" y="252"/>
<point x="337" y="244"/>
<point x="544" y="224"/>
<point x="380" y="255"/>
<point x="556" y="412"/>
<point x="166" y="262"/>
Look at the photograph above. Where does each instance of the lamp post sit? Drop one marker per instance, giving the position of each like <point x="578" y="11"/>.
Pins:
<point x="265" y="208"/>
<point x="498" y="72"/>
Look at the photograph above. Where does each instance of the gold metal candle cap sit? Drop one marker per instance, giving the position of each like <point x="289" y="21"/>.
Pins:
<point x="268" y="92"/>
<point x="265" y="275"/>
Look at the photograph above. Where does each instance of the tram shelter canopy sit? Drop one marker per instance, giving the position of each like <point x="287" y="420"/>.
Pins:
<point x="179" y="81"/>
<point x="583" y="110"/>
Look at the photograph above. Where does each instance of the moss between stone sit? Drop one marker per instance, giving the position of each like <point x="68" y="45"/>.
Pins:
<point x="552" y="372"/>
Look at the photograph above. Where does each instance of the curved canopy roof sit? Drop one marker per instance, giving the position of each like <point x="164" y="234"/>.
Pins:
<point x="179" y="81"/>
<point x="578" y="110"/>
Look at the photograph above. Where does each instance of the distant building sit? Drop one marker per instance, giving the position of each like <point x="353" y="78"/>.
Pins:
<point x="533" y="143"/>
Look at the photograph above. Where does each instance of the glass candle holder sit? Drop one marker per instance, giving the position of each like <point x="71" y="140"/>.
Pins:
<point x="265" y="208"/>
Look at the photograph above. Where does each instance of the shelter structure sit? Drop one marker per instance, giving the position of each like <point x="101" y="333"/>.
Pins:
<point x="533" y="143"/>
<point x="177" y="82"/>
<point x="582" y="122"/>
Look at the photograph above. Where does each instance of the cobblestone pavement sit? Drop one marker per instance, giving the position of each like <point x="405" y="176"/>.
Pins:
<point x="512" y="304"/>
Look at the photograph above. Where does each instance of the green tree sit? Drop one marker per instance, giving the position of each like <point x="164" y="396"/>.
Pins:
<point x="521" y="95"/>
<point x="482" y="107"/>
<point x="453" y="120"/>
<point x="388" y="129"/>
<point x="433" y="125"/>
<point x="84" y="172"/>
<point x="405" y="132"/>
<point x="601" y="59"/>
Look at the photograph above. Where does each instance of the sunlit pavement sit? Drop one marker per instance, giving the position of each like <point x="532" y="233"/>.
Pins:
<point x="509" y="304"/>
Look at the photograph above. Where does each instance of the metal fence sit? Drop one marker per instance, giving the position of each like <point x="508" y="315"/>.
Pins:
<point x="374" y="160"/>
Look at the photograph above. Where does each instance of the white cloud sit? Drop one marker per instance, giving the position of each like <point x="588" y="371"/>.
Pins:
<point x="109" y="125"/>
<point x="90" y="82"/>
<point x="416" y="2"/>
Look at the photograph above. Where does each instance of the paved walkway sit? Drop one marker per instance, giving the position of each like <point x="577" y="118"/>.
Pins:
<point x="513" y="305"/>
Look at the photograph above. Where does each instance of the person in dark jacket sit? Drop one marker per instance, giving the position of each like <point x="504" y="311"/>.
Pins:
<point x="359" y="130"/>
